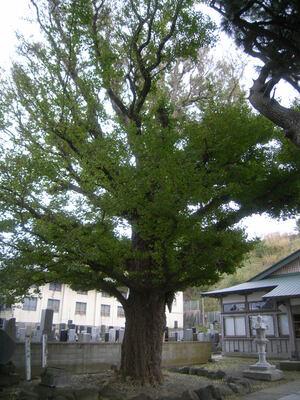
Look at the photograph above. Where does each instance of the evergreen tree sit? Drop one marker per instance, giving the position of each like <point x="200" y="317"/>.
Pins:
<point x="269" y="31"/>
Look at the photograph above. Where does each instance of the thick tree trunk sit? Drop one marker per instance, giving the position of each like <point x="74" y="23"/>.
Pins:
<point x="142" y="344"/>
<point x="285" y="118"/>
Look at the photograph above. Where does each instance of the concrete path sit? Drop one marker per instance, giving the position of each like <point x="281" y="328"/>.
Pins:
<point x="287" y="391"/>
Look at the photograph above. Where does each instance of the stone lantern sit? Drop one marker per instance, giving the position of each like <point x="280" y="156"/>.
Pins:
<point x="262" y="370"/>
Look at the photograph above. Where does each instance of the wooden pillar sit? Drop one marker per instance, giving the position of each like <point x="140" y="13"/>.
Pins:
<point x="275" y="321"/>
<point x="247" y="319"/>
<point x="222" y="327"/>
<point x="293" y="349"/>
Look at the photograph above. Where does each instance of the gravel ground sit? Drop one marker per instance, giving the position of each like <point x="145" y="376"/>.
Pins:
<point x="174" y="384"/>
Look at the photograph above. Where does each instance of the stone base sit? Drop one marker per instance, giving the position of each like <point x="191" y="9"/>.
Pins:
<point x="289" y="365"/>
<point x="264" y="374"/>
<point x="9" y="380"/>
<point x="55" y="377"/>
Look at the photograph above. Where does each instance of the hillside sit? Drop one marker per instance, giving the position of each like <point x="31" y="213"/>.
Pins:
<point x="272" y="249"/>
<point x="267" y="252"/>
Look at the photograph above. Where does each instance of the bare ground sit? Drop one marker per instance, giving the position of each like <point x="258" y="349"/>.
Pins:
<point x="176" y="383"/>
<point x="112" y="387"/>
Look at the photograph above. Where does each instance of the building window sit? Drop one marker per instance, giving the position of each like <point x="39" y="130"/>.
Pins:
<point x="235" y="326"/>
<point x="120" y="312"/>
<point x="105" y="294"/>
<point x="84" y="292"/>
<point x="105" y="310"/>
<point x="296" y="318"/>
<point x="261" y="305"/>
<point x="30" y="303"/>
<point x="53" y="304"/>
<point x="267" y="319"/>
<point x="283" y="325"/>
<point x="234" y="307"/>
<point x="80" y="308"/>
<point x="55" y="286"/>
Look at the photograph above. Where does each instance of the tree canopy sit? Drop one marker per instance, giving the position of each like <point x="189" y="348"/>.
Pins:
<point x="269" y="31"/>
<point x="106" y="183"/>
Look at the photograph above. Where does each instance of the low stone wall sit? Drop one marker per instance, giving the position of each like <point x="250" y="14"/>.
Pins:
<point x="95" y="357"/>
<point x="185" y="353"/>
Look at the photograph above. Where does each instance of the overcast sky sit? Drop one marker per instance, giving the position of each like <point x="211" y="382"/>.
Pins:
<point x="12" y="17"/>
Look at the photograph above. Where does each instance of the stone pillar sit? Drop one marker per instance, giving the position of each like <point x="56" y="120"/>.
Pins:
<point x="28" y="357"/>
<point x="44" y="350"/>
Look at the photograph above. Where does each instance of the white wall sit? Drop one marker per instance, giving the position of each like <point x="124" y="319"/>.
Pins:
<point x="233" y="298"/>
<point x="93" y="317"/>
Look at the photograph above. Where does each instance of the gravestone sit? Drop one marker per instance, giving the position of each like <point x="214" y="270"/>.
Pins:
<point x="46" y="322"/>
<point x="179" y="335"/>
<point x="7" y="347"/>
<point x="36" y="336"/>
<point x="102" y="332"/>
<point x="201" y="337"/>
<point x="10" y="328"/>
<point x="84" y="337"/>
<point x="21" y="332"/>
<point x="188" y="335"/>
<point x="71" y="335"/>
<point x="95" y="334"/>
<point x="8" y="377"/>
<point x="62" y="327"/>
<point x="121" y="335"/>
<point x="28" y="330"/>
<point x="112" y="335"/>
<point x="52" y="335"/>
<point x="63" y="336"/>
<point x="166" y="334"/>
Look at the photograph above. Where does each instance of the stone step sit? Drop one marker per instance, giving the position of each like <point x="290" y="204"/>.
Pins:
<point x="289" y="365"/>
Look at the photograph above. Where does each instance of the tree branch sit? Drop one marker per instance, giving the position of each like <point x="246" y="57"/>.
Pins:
<point x="287" y="119"/>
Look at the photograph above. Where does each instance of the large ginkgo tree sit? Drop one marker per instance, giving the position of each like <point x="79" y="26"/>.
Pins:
<point x="106" y="184"/>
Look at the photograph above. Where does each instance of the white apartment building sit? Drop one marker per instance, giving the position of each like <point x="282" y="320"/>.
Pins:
<point x="89" y="308"/>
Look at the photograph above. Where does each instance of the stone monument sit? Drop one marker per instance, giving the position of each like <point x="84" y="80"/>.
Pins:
<point x="262" y="370"/>
<point x="10" y="328"/>
<point x="46" y="322"/>
<point x="8" y="375"/>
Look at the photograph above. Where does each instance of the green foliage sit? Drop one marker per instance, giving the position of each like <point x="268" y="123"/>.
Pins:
<point x="93" y="145"/>
<point x="266" y="30"/>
